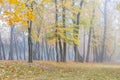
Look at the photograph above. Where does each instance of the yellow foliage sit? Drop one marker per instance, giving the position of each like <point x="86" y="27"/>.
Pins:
<point x="64" y="29"/>
<point x="10" y="22"/>
<point x="67" y="4"/>
<point x="21" y="13"/>
<point x="21" y="16"/>
<point x="45" y="1"/>
<point x="75" y="41"/>
<point x="6" y="12"/>
<point x="1" y="1"/>
<point x="23" y="5"/>
<point x="31" y="0"/>
<point x="16" y="19"/>
<point x="61" y="35"/>
<point x="24" y="23"/>
<point x="30" y="15"/>
<point x="52" y="41"/>
<point x="15" y="2"/>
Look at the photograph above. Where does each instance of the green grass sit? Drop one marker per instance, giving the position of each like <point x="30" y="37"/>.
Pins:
<point x="21" y="70"/>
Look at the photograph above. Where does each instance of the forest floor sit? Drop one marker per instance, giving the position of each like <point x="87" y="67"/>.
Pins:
<point x="41" y="70"/>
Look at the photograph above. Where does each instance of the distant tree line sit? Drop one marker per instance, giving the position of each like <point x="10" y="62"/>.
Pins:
<point x="58" y="30"/>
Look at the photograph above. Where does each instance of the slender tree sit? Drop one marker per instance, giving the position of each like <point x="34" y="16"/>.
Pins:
<point x="78" y="57"/>
<point x="103" y="45"/>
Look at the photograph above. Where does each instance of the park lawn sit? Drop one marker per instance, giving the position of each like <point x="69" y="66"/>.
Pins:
<point x="44" y="70"/>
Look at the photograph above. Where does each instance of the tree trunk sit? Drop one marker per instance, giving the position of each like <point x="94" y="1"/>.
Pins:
<point x="56" y="25"/>
<point x="95" y="49"/>
<point x="63" y="23"/>
<point x="78" y="57"/>
<point x="30" y="59"/>
<point x="84" y="45"/>
<point x="103" y="50"/>
<point x="90" y="33"/>
<point x="0" y="49"/>
<point x="24" y="48"/>
<point x="16" y="50"/>
<point x="11" y="44"/>
<point x="89" y="42"/>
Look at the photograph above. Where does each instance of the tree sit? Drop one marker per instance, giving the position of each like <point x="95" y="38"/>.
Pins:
<point x="103" y="49"/>
<point x="25" y="18"/>
<point x="78" y="57"/>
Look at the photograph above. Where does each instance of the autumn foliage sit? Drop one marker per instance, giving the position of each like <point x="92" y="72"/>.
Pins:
<point x="18" y="12"/>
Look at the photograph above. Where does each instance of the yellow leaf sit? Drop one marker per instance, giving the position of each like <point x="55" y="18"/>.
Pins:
<point x="6" y="77"/>
<point x="52" y="41"/>
<point x="30" y="15"/>
<point x="23" y="5"/>
<point x="24" y="23"/>
<point x="1" y="1"/>
<point x="6" y="12"/>
<point x="12" y="69"/>
<point x="45" y="1"/>
<point x="67" y="4"/>
<point x="15" y="2"/>
<point x="16" y="19"/>
<point x="10" y="23"/>
<point x="31" y="0"/>
<point x="21" y="16"/>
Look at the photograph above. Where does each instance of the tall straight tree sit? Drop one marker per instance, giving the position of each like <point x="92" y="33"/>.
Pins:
<point x="30" y="20"/>
<point x="11" y="44"/>
<point x="90" y="35"/>
<point x="2" y="48"/>
<point x="78" y="57"/>
<point x="30" y="42"/>
<point x="63" y="23"/>
<point x="103" y="49"/>
<point x="56" y="26"/>
<point x="84" y="52"/>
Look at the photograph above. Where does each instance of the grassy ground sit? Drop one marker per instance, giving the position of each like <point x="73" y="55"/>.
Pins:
<point x="20" y="70"/>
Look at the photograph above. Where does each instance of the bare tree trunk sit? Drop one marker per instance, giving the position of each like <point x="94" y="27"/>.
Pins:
<point x="24" y="46"/>
<point x="42" y="49"/>
<point x="15" y="46"/>
<point x="11" y="44"/>
<point x="16" y="50"/>
<point x="60" y="49"/>
<point x="38" y="50"/>
<point x="84" y="45"/>
<point x="90" y="33"/>
<point x="114" y="47"/>
<point x="89" y="42"/>
<point x="95" y="49"/>
<point x="35" y="52"/>
<point x="46" y="46"/>
<point x="103" y="50"/>
<point x="20" y="51"/>
<point x="30" y="60"/>
<point x="3" y="51"/>
<point x="2" y="48"/>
